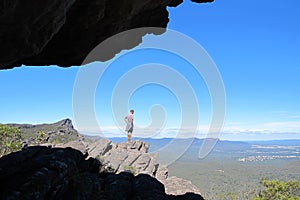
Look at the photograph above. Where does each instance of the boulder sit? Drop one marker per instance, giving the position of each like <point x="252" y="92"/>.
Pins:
<point x="179" y="186"/>
<point x="137" y="146"/>
<point x="162" y="173"/>
<point x="99" y="147"/>
<point x="131" y="155"/>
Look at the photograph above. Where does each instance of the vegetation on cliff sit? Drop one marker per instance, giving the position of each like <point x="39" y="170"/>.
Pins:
<point x="280" y="190"/>
<point x="10" y="139"/>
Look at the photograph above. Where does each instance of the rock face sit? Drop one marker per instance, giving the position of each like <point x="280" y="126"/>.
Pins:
<point x="127" y="156"/>
<point x="63" y="32"/>
<point x="41" y="172"/>
<point x="133" y="157"/>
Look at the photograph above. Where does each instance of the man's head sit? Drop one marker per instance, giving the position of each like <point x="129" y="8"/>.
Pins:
<point x="131" y="111"/>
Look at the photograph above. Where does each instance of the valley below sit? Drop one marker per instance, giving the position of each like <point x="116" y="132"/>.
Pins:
<point x="233" y="170"/>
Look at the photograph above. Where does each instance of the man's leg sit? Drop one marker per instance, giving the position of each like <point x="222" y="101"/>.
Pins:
<point x="129" y="136"/>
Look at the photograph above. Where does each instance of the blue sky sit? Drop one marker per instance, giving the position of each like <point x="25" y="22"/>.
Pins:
<point x="254" y="44"/>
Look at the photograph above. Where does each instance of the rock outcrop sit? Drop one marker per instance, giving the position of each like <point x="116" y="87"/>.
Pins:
<point x="41" y="172"/>
<point x="133" y="157"/>
<point x="63" y="32"/>
<point x="59" y="132"/>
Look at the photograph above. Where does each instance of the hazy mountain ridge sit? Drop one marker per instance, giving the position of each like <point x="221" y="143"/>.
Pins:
<point x="58" y="132"/>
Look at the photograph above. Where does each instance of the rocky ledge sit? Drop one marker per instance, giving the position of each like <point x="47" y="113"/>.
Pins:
<point x="41" y="172"/>
<point x="63" y="32"/>
<point x="133" y="157"/>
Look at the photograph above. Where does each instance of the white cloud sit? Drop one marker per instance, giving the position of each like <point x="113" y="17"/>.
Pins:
<point x="283" y="125"/>
<point x="263" y="131"/>
<point x="269" y="127"/>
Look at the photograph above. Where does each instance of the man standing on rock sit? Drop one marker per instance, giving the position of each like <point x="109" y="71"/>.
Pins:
<point x="129" y="124"/>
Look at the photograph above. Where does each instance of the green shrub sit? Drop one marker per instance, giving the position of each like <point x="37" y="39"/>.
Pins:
<point x="40" y="137"/>
<point x="130" y="168"/>
<point x="279" y="190"/>
<point x="101" y="158"/>
<point x="229" y="195"/>
<point x="10" y="139"/>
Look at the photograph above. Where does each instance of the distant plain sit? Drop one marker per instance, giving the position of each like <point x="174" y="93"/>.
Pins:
<point x="233" y="169"/>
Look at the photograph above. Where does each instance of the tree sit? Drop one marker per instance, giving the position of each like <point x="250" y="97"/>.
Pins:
<point x="279" y="190"/>
<point x="40" y="137"/>
<point x="10" y="139"/>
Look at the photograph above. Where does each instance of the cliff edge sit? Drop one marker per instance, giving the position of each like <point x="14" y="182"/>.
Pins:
<point x="40" y="172"/>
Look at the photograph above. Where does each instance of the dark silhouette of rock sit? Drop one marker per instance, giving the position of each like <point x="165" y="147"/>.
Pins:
<point x="202" y="1"/>
<point x="41" y="172"/>
<point x="63" y="32"/>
